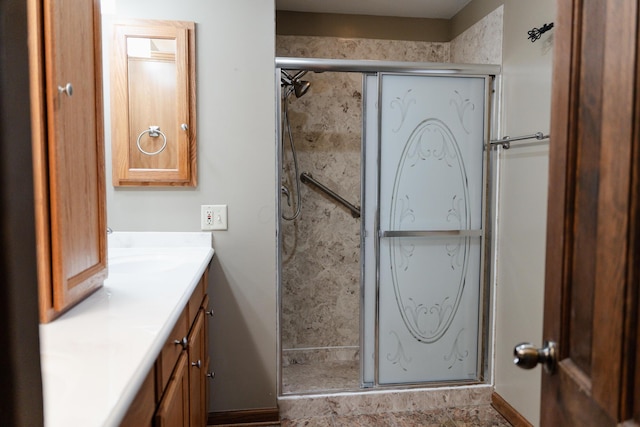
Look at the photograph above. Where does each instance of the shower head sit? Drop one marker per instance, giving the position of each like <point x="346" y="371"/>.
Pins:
<point x="300" y="87"/>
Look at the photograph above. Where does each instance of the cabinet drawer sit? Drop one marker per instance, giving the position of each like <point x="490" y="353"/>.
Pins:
<point x="170" y="352"/>
<point x="196" y="300"/>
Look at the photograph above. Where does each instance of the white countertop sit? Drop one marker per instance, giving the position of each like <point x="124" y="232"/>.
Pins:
<point x="95" y="357"/>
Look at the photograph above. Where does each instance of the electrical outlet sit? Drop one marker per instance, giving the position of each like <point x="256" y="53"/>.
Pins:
<point x="206" y="217"/>
<point x="213" y="217"/>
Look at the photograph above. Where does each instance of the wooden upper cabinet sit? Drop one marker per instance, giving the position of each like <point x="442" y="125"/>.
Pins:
<point x="68" y="150"/>
<point x="153" y="136"/>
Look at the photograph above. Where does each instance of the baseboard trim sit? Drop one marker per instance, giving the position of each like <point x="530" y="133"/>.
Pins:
<point x="249" y="417"/>
<point x="509" y="412"/>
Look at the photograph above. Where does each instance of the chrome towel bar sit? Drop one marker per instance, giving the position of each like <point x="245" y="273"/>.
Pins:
<point x="507" y="140"/>
<point x="306" y="178"/>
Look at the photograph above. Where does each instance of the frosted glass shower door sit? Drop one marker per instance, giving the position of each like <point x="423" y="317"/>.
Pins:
<point x="432" y="132"/>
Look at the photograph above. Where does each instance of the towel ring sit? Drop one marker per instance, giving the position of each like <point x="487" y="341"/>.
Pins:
<point x="154" y="131"/>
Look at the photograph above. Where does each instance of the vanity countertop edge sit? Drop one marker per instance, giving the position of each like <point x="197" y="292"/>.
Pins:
<point x="95" y="357"/>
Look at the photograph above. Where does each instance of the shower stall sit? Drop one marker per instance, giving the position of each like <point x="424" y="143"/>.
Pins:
<point x="385" y="173"/>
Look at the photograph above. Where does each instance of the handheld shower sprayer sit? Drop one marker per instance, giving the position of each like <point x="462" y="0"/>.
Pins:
<point x="291" y="84"/>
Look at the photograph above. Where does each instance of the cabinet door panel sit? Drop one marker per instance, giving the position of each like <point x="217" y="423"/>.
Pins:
<point x="170" y="353"/>
<point x="153" y="84"/>
<point x="140" y="413"/>
<point x="173" y="410"/>
<point x="75" y="148"/>
<point x="197" y="370"/>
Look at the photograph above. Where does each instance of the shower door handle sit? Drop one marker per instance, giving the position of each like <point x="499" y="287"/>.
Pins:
<point x="431" y="233"/>
<point x="527" y="356"/>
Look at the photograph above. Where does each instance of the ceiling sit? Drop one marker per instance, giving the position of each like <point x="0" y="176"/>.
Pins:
<point x="407" y="8"/>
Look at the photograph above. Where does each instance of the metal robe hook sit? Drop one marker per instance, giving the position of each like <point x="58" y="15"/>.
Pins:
<point x="536" y="33"/>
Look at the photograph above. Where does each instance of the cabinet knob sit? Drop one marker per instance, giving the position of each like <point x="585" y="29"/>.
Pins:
<point x="184" y="127"/>
<point x="183" y="342"/>
<point x="209" y="312"/>
<point x="211" y="375"/>
<point x="66" y="89"/>
<point x="197" y="364"/>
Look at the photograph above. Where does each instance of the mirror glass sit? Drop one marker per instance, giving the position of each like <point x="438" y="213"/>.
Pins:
<point x="143" y="47"/>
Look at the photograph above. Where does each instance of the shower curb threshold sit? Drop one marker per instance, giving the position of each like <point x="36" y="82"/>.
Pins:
<point x="368" y="402"/>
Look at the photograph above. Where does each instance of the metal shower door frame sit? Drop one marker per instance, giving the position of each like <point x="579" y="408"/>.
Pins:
<point x="489" y="200"/>
<point x="373" y="67"/>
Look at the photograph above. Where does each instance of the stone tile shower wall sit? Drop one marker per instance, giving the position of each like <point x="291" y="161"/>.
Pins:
<point x="321" y="249"/>
<point x="482" y="42"/>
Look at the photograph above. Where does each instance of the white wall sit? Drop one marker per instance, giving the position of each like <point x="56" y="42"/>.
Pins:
<point x="526" y="104"/>
<point x="236" y="166"/>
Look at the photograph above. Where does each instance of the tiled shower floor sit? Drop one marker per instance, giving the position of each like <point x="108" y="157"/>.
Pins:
<point x="320" y="376"/>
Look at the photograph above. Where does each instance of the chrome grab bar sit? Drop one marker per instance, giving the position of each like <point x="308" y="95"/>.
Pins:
<point x="308" y="179"/>
<point x="431" y="233"/>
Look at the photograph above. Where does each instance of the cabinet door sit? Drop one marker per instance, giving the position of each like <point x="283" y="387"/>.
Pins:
<point x="153" y="103"/>
<point x="197" y="371"/>
<point x="72" y="90"/>
<point x="209" y="374"/>
<point x="173" y="410"/>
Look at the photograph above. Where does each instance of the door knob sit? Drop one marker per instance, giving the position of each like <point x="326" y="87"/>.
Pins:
<point x="527" y="356"/>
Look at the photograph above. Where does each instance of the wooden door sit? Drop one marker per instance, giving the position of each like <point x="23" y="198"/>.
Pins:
<point x="593" y="236"/>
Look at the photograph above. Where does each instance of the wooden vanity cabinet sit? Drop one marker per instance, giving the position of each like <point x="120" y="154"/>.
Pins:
<point x="194" y="396"/>
<point x="177" y="396"/>
<point x="68" y="151"/>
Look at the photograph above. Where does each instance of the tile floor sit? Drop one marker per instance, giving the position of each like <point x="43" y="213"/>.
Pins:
<point x="473" y="416"/>
<point x="313" y="377"/>
<point x="469" y="416"/>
